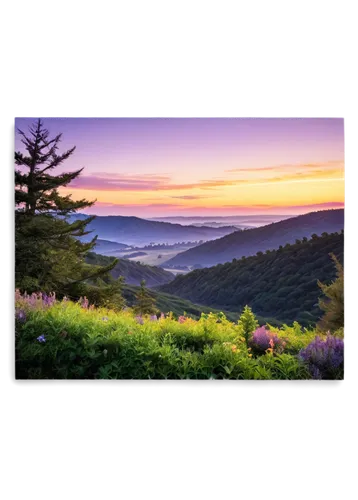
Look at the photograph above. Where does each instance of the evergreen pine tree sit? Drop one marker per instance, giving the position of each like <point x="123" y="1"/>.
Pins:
<point x="248" y="322"/>
<point x="333" y="302"/>
<point x="145" y="303"/>
<point x="48" y="254"/>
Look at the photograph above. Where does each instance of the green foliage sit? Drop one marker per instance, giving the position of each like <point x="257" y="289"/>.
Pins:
<point x="294" y="338"/>
<point x="102" y="293"/>
<point x="167" y="302"/>
<point x="248" y="323"/>
<point x="133" y="272"/>
<point x="333" y="302"/>
<point x="98" y="343"/>
<point x="281" y="284"/>
<point x="145" y="303"/>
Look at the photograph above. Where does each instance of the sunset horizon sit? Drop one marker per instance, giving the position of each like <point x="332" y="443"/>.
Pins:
<point x="156" y="167"/>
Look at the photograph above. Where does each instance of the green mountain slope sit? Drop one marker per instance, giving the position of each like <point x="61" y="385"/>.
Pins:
<point x="281" y="284"/>
<point x="170" y="303"/>
<point x="250" y="241"/>
<point x="133" y="272"/>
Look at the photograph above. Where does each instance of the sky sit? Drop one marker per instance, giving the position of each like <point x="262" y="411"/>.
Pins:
<point x="158" y="167"/>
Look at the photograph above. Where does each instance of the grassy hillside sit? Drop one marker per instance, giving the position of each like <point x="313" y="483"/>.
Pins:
<point x="167" y="303"/>
<point x="65" y="340"/>
<point x="133" y="272"/>
<point x="281" y="284"/>
<point x="250" y="241"/>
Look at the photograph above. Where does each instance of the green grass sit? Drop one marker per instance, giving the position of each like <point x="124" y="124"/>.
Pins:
<point x="86" y="344"/>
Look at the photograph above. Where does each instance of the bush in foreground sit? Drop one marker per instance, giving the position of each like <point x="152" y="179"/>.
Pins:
<point x="325" y="358"/>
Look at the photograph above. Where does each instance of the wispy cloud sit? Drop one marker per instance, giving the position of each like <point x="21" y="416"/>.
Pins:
<point x="330" y="163"/>
<point x="142" y="182"/>
<point x="106" y="181"/>
<point x="305" y="172"/>
<point x="323" y="206"/>
<point x="192" y="197"/>
<point x="136" y="205"/>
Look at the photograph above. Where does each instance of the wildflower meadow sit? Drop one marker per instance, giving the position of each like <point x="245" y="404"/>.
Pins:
<point x="62" y="339"/>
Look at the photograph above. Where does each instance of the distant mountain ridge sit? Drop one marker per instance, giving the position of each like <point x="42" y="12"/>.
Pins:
<point x="280" y="284"/>
<point x="137" y="231"/>
<point x="269" y="237"/>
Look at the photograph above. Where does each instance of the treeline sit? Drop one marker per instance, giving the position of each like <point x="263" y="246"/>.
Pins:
<point x="279" y="283"/>
<point x="154" y="246"/>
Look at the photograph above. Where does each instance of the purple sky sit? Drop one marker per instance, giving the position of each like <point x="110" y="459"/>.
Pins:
<point x="153" y="167"/>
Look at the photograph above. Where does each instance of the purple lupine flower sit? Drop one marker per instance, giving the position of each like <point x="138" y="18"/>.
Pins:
<point x="325" y="358"/>
<point x="139" y="320"/>
<point x="41" y="338"/>
<point x="263" y="339"/>
<point x="315" y="372"/>
<point x="21" y="315"/>
<point x="153" y="318"/>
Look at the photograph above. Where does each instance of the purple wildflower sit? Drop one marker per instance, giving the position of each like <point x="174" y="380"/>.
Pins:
<point x="153" y="318"/>
<point x="83" y="301"/>
<point x="139" y="320"/>
<point x="41" y="338"/>
<point x="21" y="315"/>
<point x="263" y="339"/>
<point x="324" y="357"/>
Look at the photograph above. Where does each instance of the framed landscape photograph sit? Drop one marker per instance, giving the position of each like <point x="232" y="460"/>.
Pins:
<point x="179" y="248"/>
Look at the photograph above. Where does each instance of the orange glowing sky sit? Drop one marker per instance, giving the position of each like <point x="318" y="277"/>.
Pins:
<point x="168" y="167"/>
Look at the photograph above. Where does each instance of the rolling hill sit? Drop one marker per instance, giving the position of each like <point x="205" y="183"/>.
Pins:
<point x="136" y="231"/>
<point x="133" y="272"/>
<point x="109" y="247"/>
<point x="250" y="241"/>
<point x="280" y="284"/>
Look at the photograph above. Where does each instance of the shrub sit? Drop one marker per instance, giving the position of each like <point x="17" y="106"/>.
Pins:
<point x="333" y="302"/>
<point x="265" y="341"/>
<point x="325" y="358"/>
<point x="248" y="323"/>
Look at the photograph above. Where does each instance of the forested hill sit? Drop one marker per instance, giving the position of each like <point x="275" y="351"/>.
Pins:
<point x="250" y="241"/>
<point x="133" y="272"/>
<point x="281" y="284"/>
